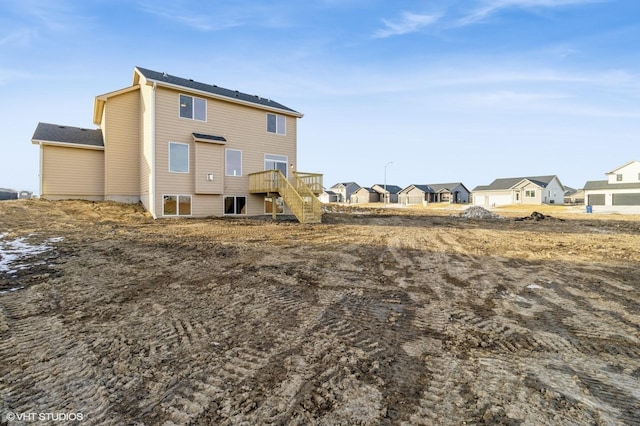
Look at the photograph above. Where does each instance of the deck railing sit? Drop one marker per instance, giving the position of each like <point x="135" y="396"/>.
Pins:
<point x="300" y="199"/>
<point x="312" y="180"/>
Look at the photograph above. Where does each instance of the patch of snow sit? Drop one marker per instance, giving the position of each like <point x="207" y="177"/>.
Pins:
<point x="534" y="286"/>
<point x="14" y="253"/>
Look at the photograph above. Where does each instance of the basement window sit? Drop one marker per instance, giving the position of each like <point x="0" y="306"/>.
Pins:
<point x="176" y="205"/>
<point x="235" y="205"/>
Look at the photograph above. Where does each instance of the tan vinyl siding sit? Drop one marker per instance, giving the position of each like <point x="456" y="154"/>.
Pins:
<point x="146" y="154"/>
<point x="122" y="146"/>
<point x="72" y="173"/>
<point x="209" y="159"/>
<point x="243" y="127"/>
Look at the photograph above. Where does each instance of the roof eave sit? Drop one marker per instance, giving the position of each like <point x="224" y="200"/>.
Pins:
<point x="66" y="144"/>
<point x="225" y="98"/>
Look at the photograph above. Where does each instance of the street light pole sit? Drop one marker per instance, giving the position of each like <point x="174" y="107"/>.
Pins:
<point x="385" y="183"/>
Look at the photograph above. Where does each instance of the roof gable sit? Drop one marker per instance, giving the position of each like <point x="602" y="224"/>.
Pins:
<point x="211" y="89"/>
<point x="616" y="170"/>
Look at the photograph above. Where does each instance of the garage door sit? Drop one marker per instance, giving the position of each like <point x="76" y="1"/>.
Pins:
<point x="626" y="199"/>
<point x="596" y="200"/>
<point x="499" y="200"/>
<point x="478" y="200"/>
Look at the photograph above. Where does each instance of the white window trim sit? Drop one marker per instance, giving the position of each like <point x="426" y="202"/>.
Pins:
<point x="225" y="161"/>
<point x="246" y="197"/>
<point x="286" y="161"/>
<point x="188" y="157"/>
<point x="177" y="207"/>
<point x="193" y="108"/>
<point x="276" y="132"/>
<point x="527" y="191"/>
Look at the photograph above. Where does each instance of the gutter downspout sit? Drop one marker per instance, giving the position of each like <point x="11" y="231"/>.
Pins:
<point x="152" y="195"/>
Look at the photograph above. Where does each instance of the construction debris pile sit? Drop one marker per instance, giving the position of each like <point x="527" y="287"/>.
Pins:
<point x="477" y="212"/>
<point x="537" y="217"/>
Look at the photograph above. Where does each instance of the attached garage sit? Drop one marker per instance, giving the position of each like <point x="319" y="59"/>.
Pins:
<point x="595" y="199"/>
<point x="626" y="199"/>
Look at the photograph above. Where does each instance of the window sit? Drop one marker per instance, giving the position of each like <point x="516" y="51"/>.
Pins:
<point x="276" y="124"/>
<point x="269" y="204"/>
<point x="176" y="205"/>
<point x="276" y="162"/>
<point x="530" y="193"/>
<point x="193" y="108"/>
<point x="235" y="205"/>
<point x="178" y="157"/>
<point x="233" y="162"/>
<point x="619" y="177"/>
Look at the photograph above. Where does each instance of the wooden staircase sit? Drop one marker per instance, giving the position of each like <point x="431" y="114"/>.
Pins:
<point x="297" y="194"/>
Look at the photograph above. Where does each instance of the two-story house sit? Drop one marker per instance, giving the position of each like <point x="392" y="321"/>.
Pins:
<point x="181" y="148"/>
<point x="619" y="193"/>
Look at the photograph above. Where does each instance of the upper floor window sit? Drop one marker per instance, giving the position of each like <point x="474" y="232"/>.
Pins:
<point x="233" y="162"/>
<point x="193" y="108"/>
<point x="276" y="124"/>
<point x="619" y="177"/>
<point x="178" y="157"/>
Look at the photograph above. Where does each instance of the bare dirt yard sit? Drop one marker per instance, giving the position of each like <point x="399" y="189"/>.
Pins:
<point x="396" y="316"/>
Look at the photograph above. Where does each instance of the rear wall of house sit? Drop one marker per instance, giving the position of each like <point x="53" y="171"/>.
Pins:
<point x="244" y="129"/>
<point x="72" y="173"/>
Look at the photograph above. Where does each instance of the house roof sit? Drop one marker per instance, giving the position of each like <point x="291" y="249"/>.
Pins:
<point x="366" y="188"/>
<point x="233" y="95"/>
<point x="423" y="188"/>
<point x="391" y="189"/>
<point x="345" y="184"/>
<point x="604" y="184"/>
<point x="508" y="183"/>
<point x="621" y="167"/>
<point x="441" y="187"/>
<point x="208" y="138"/>
<point x="57" y="134"/>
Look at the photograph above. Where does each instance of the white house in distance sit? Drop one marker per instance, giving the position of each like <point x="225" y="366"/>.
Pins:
<point x="620" y="193"/>
<point x="520" y="190"/>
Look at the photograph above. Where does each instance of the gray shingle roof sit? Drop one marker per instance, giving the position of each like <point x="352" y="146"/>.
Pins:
<point x="508" y="183"/>
<point x="391" y="189"/>
<point x="209" y="137"/>
<point x="604" y="184"/>
<point x="211" y="88"/>
<point x="67" y="134"/>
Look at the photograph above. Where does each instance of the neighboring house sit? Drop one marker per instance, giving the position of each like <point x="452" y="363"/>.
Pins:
<point x="392" y="192"/>
<point x="328" y="197"/>
<point x="344" y="190"/>
<point x="454" y="192"/>
<point x="181" y="148"/>
<point x="365" y="195"/>
<point x="416" y="194"/>
<point x="573" y="196"/>
<point x="619" y="193"/>
<point x="521" y="190"/>
<point x="8" y="194"/>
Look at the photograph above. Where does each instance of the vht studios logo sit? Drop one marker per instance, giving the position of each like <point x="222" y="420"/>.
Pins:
<point x="41" y="417"/>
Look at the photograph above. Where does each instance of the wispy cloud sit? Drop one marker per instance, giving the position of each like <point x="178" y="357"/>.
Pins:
<point x="19" y="38"/>
<point x="408" y="23"/>
<point x="487" y="8"/>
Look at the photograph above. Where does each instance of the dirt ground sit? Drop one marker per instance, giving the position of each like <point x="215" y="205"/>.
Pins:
<point x="396" y="316"/>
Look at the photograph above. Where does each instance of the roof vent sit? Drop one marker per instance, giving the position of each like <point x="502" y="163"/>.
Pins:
<point x="164" y="74"/>
<point x="190" y="79"/>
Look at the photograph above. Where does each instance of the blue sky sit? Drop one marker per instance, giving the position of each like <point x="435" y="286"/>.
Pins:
<point x="447" y="90"/>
